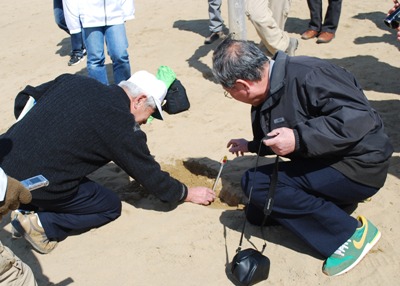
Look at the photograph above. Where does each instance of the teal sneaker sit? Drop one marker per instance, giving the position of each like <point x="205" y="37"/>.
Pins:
<point x="353" y="250"/>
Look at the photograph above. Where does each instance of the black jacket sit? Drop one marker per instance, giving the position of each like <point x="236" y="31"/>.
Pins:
<point x="77" y="126"/>
<point x="330" y="115"/>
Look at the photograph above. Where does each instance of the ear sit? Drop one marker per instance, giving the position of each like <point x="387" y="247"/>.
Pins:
<point x="242" y="84"/>
<point x="138" y="100"/>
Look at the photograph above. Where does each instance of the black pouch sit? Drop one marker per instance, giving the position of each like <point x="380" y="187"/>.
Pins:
<point x="249" y="266"/>
<point x="176" y="98"/>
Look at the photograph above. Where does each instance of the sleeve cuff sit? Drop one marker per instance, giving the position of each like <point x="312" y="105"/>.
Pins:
<point x="184" y="193"/>
<point x="297" y="140"/>
<point x="252" y="146"/>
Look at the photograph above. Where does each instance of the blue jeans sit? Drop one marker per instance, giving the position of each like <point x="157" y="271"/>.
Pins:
<point x="309" y="200"/>
<point x="77" y="43"/>
<point x="117" y="45"/>
<point x="59" y="15"/>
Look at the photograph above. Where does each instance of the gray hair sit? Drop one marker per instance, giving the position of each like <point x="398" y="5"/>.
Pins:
<point x="134" y="91"/>
<point x="237" y="59"/>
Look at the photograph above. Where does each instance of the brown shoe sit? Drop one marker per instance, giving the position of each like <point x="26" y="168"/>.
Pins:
<point x="325" y="37"/>
<point x="309" y="34"/>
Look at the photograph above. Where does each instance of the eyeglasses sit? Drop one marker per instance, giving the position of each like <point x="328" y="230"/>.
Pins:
<point x="226" y="94"/>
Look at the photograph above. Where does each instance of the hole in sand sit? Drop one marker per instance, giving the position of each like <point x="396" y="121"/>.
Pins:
<point x="191" y="172"/>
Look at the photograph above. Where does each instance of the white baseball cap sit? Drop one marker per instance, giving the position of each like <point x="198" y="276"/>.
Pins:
<point x="152" y="87"/>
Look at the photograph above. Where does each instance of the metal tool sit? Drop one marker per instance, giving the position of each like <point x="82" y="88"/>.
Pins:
<point x="223" y="162"/>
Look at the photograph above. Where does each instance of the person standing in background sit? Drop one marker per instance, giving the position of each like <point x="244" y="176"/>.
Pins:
<point x="268" y="18"/>
<point x="78" y="51"/>
<point x="102" y="21"/>
<point x="324" y="29"/>
<point x="216" y="21"/>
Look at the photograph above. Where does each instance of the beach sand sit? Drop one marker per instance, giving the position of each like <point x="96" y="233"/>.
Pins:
<point x="154" y="243"/>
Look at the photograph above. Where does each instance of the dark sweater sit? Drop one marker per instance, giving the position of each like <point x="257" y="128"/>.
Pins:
<point x="77" y="126"/>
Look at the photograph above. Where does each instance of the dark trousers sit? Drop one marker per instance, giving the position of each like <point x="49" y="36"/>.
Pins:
<point x="309" y="201"/>
<point x="92" y="206"/>
<point x="331" y="21"/>
<point x="77" y="40"/>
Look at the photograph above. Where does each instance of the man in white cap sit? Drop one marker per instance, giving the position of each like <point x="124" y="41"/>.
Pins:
<point x="151" y="86"/>
<point x="77" y="126"/>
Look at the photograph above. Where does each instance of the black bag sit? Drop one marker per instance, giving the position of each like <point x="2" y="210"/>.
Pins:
<point x="176" y="98"/>
<point x="249" y="266"/>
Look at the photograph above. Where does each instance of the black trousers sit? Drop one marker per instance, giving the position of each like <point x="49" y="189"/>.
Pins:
<point x="331" y="20"/>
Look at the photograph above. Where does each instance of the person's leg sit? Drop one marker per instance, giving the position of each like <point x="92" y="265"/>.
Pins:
<point x="78" y="48"/>
<point x="214" y="14"/>
<point x="306" y="201"/>
<point x="332" y="16"/>
<point x="92" y="206"/>
<point x="59" y="15"/>
<point x="280" y="10"/>
<point x="94" y="40"/>
<point x="13" y="271"/>
<point x="315" y="7"/>
<point x="77" y="44"/>
<point x="261" y="17"/>
<point x="117" y="47"/>
<point x="216" y="21"/>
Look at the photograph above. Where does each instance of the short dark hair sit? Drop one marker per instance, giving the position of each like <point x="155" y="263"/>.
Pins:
<point x="237" y="59"/>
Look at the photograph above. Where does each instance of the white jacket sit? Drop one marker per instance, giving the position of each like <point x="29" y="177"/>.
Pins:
<point x="96" y="13"/>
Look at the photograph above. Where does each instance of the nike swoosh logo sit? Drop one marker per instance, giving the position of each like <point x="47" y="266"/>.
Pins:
<point x="360" y="243"/>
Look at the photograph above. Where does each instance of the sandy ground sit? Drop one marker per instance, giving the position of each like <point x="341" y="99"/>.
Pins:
<point x="158" y="244"/>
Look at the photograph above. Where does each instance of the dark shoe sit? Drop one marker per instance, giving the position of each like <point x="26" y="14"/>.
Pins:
<point x="213" y="37"/>
<point x="309" y="34"/>
<point x="293" y="44"/>
<point x="76" y="58"/>
<point x="325" y="37"/>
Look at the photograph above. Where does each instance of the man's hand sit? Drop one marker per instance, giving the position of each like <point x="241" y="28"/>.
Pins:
<point x="16" y="193"/>
<point x="238" y="146"/>
<point x="200" y="195"/>
<point x="283" y="141"/>
<point x="396" y="4"/>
